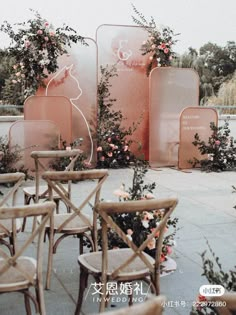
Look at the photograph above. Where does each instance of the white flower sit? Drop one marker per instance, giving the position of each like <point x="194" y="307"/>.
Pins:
<point x="145" y="224"/>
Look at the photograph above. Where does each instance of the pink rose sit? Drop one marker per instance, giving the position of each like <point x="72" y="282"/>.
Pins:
<point x="39" y="32"/>
<point x="162" y="46"/>
<point x="46" y="39"/>
<point x="27" y="43"/>
<point x="217" y="142"/>
<point x="46" y="24"/>
<point x="166" y="50"/>
<point x="170" y="58"/>
<point x="126" y="147"/>
<point x="110" y="154"/>
<point x="99" y="149"/>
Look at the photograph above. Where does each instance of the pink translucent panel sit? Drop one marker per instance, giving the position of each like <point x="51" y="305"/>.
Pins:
<point x="76" y="79"/>
<point x="171" y="90"/>
<point x="194" y="120"/>
<point x="120" y="45"/>
<point x="31" y="135"/>
<point x="54" y="108"/>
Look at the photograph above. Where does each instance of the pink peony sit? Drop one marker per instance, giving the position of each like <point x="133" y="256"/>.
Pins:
<point x="39" y="32"/>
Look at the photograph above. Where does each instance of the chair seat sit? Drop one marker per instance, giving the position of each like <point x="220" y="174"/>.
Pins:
<point x="74" y="226"/>
<point x="135" y="270"/>
<point x="8" y="225"/>
<point x="13" y="278"/>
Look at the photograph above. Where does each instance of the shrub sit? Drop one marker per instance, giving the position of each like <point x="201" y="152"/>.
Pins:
<point x="220" y="150"/>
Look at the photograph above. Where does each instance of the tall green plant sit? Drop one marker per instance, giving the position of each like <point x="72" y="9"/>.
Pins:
<point x="113" y="139"/>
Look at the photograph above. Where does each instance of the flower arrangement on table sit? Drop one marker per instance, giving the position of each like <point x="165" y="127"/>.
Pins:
<point x="159" y="44"/>
<point x="138" y="226"/>
<point x="35" y="48"/>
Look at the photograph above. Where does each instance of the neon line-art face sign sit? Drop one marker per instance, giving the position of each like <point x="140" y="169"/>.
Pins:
<point x="72" y="99"/>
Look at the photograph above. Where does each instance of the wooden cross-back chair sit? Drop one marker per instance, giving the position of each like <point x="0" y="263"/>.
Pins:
<point x="8" y="229"/>
<point x="124" y="264"/>
<point x="41" y="191"/>
<point x="19" y="272"/>
<point x="77" y="222"/>
<point x="225" y="304"/>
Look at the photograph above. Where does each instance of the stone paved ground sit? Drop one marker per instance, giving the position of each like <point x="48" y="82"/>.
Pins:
<point x="205" y="212"/>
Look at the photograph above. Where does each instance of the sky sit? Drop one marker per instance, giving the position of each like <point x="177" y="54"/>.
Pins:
<point x="197" y="21"/>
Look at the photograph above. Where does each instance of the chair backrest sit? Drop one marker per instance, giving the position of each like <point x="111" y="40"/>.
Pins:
<point x="11" y="178"/>
<point x="40" y="166"/>
<point x="9" y="229"/>
<point x="107" y="209"/>
<point x="153" y="306"/>
<point x="45" y="210"/>
<point x="225" y="304"/>
<point x="97" y="178"/>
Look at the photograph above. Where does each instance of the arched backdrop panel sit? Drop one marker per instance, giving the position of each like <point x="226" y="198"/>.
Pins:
<point x="76" y="79"/>
<point x="31" y="135"/>
<point x="119" y="46"/>
<point x="55" y="108"/>
<point x="171" y="90"/>
<point x="194" y="120"/>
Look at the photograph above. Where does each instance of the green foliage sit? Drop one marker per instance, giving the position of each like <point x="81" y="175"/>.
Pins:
<point x="215" y="65"/>
<point x="215" y="274"/>
<point x="218" y="276"/>
<point x="10" y="157"/>
<point x="113" y="140"/>
<point x="220" y="150"/>
<point x="159" y="44"/>
<point x="60" y="164"/>
<point x="35" y="49"/>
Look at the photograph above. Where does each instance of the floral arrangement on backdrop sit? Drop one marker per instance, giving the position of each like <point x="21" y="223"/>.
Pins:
<point x="139" y="226"/>
<point x="113" y="140"/>
<point x="220" y="150"/>
<point x="35" y="48"/>
<point x="159" y="44"/>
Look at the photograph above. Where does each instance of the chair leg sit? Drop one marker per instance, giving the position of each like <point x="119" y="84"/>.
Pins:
<point x="50" y="259"/>
<point x="40" y="299"/>
<point x="27" y="303"/>
<point x="82" y="286"/>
